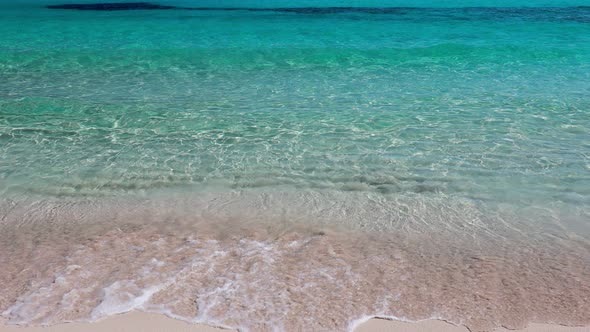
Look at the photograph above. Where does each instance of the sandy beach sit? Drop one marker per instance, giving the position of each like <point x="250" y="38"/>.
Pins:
<point x="147" y="322"/>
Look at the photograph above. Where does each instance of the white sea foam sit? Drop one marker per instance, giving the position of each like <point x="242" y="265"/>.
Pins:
<point x="120" y="298"/>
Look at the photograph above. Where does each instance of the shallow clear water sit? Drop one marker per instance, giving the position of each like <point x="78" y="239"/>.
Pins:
<point x="468" y="119"/>
<point x="484" y="103"/>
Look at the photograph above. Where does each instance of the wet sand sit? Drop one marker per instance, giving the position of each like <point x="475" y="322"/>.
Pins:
<point x="89" y="261"/>
<point x="146" y="322"/>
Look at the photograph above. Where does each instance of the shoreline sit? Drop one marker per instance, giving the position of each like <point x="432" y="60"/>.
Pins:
<point x="86" y="261"/>
<point x="155" y="322"/>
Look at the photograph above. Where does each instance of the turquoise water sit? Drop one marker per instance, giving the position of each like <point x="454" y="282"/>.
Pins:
<point x="485" y="103"/>
<point x="289" y="165"/>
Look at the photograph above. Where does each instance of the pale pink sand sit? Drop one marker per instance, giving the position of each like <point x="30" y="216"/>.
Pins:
<point x="382" y="325"/>
<point x="144" y="322"/>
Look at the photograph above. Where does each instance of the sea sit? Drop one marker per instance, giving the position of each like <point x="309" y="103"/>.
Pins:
<point x="295" y="165"/>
